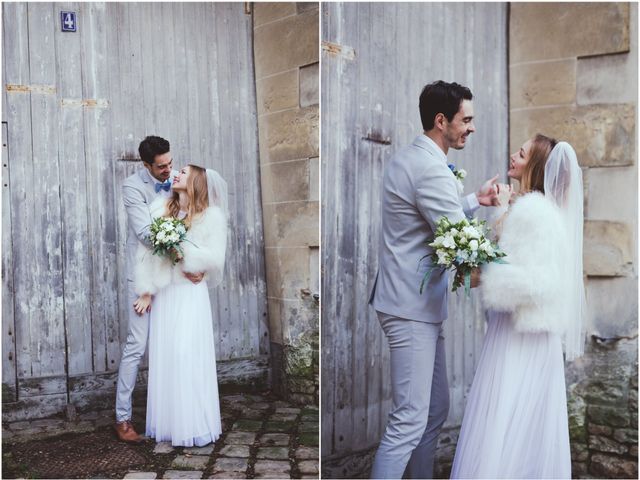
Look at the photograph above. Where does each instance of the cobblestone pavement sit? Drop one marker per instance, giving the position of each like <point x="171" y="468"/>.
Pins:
<point x="263" y="437"/>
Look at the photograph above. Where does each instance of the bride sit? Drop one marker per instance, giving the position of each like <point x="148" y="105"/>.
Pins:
<point x="515" y="423"/>
<point x="182" y="396"/>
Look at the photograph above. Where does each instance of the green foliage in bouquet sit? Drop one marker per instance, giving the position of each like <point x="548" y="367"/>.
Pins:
<point x="166" y="236"/>
<point x="461" y="247"/>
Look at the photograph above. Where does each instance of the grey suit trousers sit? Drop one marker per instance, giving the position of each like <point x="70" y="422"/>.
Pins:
<point x="420" y="394"/>
<point x="136" y="344"/>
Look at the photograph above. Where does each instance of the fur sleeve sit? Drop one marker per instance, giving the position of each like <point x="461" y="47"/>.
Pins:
<point x="151" y="272"/>
<point x="206" y="248"/>
<point x="531" y="238"/>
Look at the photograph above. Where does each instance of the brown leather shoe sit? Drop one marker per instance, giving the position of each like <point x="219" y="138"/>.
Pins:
<point x="126" y="432"/>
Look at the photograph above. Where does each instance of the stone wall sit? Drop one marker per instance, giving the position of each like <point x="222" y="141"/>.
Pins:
<point x="286" y="54"/>
<point x="573" y="75"/>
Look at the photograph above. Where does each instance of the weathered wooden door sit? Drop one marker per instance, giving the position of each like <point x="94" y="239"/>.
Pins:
<point x="376" y="58"/>
<point x="76" y="105"/>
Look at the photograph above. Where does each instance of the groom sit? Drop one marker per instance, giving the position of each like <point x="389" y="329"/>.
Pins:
<point x="138" y="191"/>
<point x="418" y="189"/>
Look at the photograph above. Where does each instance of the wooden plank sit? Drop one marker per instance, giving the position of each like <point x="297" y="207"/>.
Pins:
<point x="40" y="269"/>
<point x="100" y="191"/>
<point x="9" y="392"/>
<point x="76" y="261"/>
<point x="34" y="407"/>
<point x="33" y="387"/>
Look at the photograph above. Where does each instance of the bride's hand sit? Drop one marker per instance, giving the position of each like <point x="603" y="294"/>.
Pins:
<point x="504" y="193"/>
<point x="142" y="304"/>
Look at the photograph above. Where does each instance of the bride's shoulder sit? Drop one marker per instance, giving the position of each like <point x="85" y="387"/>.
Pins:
<point x="212" y="216"/>
<point x="532" y="210"/>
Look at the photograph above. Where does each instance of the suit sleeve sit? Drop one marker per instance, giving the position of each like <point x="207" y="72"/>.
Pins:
<point x="470" y="204"/>
<point x="138" y="214"/>
<point x="437" y="196"/>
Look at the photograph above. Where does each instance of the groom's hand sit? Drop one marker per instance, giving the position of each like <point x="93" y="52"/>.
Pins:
<point x="194" y="278"/>
<point x="488" y="193"/>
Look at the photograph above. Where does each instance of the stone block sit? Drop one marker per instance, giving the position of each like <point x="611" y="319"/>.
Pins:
<point x="613" y="307"/>
<point x="273" y="453"/>
<point x="314" y="179"/>
<point x="633" y="451"/>
<point x="286" y="44"/>
<point x="309" y="467"/>
<point x="579" y="452"/>
<point x="141" y="475"/>
<point x="278" y="92"/>
<point x="251" y="414"/>
<point x="577" y="410"/>
<point x="306" y="6"/>
<point x="608" y="248"/>
<point x="307" y="453"/>
<point x="163" y="447"/>
<point x="542" y="83"/>
<point x="611" y="192"/>
<point x="275" y="308"/>
<point x="265" y="12"/>
<point x="240" y="438"/>
<point x="274" y="439"/>
<point x="288" y="410"/>
<point x="615" y="417"/>
<point x="606" y="445"/>
<point x="599" y="429"/>
<point x="579" y="470"/>
<point x="239" y="451"/>
<point x="247" y="425"/>
<point x="293" y="224"/>
<point x="195" y="462"/>
<point x="546" y="31"/>
<point x="309" y="427"/>
<point x="287" y="274"/>
<point x="607" y="391"/>
<point x="602" y="135"/>
<point x="289" y="135"/>
<point x="227" y="475"/>
<point x="206" y="450"/>
<point x="279" y="426"/>
<point x="626" y="435"/>
<point x="283" y="417"/>
<point x="231" y="465"/>
<point x="285" y="181"/>
<point x="309" y="85"/>
<point x="612" y="466"/>
<point x="309" y="439"/>
<point x="266" y="467"/>
<point x="607" y="79"/>
<point x="176" y="474"/>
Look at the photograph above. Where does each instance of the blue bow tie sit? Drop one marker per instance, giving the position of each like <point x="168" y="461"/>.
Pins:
<point x="163" y="186"/>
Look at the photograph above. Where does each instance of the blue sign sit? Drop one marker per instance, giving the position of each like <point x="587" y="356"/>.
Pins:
<point x="68" y="20"/>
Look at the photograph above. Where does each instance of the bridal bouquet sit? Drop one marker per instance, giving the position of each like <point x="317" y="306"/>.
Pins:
<point x="166" y="236"/>
<point x="461" y="247"/>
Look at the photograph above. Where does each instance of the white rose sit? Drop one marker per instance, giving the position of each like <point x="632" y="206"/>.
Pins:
<point x="473" y="245"/>
<point x="462" y="173"/>
<point x="442" y="258"/>
<point x="161" y="236"/>
<point x="471" y="232"/>
<point x="449" y="241"/>
<point x="438" y="241"/>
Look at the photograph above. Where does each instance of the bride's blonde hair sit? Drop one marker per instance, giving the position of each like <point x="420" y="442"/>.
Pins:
<point x="533" y="172"/>
<point x="197" y="193"/>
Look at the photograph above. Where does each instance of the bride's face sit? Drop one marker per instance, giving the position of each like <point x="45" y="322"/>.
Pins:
<point x="180" y="180"/>
<point x="518" y="160"/>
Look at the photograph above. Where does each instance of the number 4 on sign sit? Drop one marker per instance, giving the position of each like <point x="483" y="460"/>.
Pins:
<point x="68" y="21"/>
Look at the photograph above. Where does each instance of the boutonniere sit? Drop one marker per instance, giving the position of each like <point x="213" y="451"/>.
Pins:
<point x="459" y="174"/>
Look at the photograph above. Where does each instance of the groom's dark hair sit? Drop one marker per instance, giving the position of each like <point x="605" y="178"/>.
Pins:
<point x="152" y="146"/>
<point x="441" y="97"/>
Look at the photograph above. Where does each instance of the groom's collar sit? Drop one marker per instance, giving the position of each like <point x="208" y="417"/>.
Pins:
<point x="425" y="142"/>
<point x="147" y="177"/>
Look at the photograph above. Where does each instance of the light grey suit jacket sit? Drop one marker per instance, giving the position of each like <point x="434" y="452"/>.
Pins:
<point x="418" y="189"/>
<point x="138" y="191"/>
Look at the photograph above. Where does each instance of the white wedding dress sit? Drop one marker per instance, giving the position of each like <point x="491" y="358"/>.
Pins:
<point x="515" y="422"/>
<point x="182" y="392"/>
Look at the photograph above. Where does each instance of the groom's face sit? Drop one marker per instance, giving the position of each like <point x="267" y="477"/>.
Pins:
<point x="161" y="167"/>
<point x="461" y="126"/>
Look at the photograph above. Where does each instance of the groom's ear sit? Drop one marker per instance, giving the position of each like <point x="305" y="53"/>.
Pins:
<point x="440" y="121"/>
